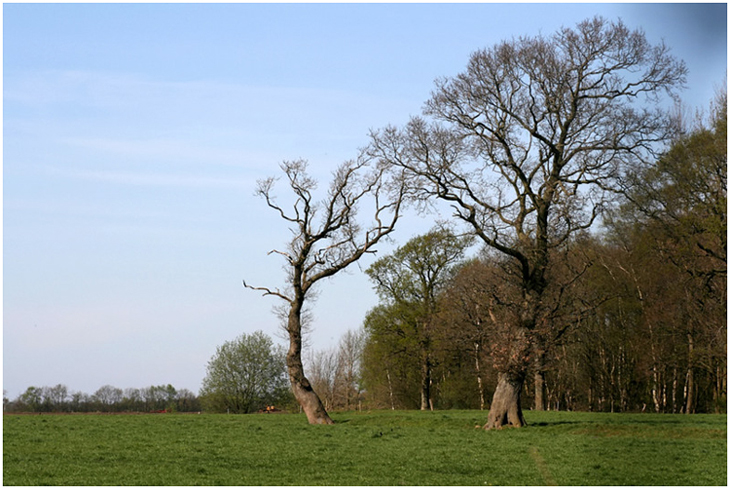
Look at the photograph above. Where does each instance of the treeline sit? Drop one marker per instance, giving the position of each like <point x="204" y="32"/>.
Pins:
<point x="644" y="344"/>
<point x="633" y="318"/>
<point x="107" y="399"/>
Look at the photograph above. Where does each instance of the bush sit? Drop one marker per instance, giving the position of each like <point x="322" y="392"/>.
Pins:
<point x="245" y="375"/>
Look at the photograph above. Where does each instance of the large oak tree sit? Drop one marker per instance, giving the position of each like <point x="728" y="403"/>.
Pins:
<point x="525" y="144"/>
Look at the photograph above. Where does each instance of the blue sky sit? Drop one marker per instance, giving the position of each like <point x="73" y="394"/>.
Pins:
<point x="133" y="136"/>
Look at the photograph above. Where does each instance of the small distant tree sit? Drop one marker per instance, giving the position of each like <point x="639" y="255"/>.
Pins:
<point x="335" y="372"/>
<point x="108" y="396"/>
<point x="187" y="401"/>
<point x="31" y="399"/>
<point x="151" y="397"/>
<point x="80" y="401"/>
<point x="132" y="400"/>
<point x="245" y="375"/>
<point x="349" y="358"/>
<point x="323" y="375"/>
<point x="55" y="397"/>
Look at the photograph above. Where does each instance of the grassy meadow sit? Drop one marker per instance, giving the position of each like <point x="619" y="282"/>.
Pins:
<point x="368" y="448"/>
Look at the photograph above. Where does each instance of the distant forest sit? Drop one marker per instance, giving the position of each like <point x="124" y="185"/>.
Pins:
<point x="107" y="399"/>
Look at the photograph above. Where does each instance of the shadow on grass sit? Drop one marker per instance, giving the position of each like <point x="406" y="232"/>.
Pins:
<point x="557" y="423"/>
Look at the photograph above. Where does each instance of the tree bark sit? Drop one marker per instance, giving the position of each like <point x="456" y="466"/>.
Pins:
<point x="479" y="376"/>
<point x="425" y="379"/>
<point x="390" y="390"/>
<point x="674" y="390"/>
<point x="689" y="383"/>
<point x="306" y="397"/>
<point x="720" y="387"/>
<point x="506" y="409"/>
<point x="539" y="390"/>
<point x="540" y="385"/>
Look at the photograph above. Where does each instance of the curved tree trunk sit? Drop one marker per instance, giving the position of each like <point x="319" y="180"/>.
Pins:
<point x="303" y="392"/>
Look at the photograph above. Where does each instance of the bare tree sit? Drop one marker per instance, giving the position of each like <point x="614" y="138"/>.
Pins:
<point x="327" y="239"/>
<point x="335" y="372"/>
<point x="108" y="395"/>
<point x="349" y="356"/>
<point x="526" y="143"/>
<point x="56" y="396"/>
<point x="323" y="375"/>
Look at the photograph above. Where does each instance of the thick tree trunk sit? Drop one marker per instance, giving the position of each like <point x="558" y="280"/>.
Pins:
<point x="506" y="409"/>
<point x="303" y="392"/>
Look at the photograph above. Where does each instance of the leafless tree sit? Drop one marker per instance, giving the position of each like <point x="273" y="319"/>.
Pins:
<point x="108" y="395"/>
<point x="349" y="356"/>
<point x="323" y="375"/>
<point x="327" y="239"/>
<point x="56" y="396"/>
<point x="526" y="143"/>
<point x="335" y="372"/>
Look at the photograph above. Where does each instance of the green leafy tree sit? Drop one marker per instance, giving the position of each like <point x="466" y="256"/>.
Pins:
<point x="411" y="278"/>
<point x="390" y="369"/>
<point x="31" y="399"/>
<point x="245" y="375"/>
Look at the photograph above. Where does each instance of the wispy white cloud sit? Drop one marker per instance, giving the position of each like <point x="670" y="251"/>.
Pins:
<point x="179" y="133"/>
<point x="173" y="150"/>
<point x="165" y="180"/>
<point x="207" y="108"/>
<point x="37" y="206"/>
<point x="141" y="95"/>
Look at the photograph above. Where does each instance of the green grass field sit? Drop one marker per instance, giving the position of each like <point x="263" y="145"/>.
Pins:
<point x="373" y="448"/>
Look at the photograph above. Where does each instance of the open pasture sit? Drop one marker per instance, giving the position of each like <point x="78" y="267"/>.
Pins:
<point x="368" y="448"/>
